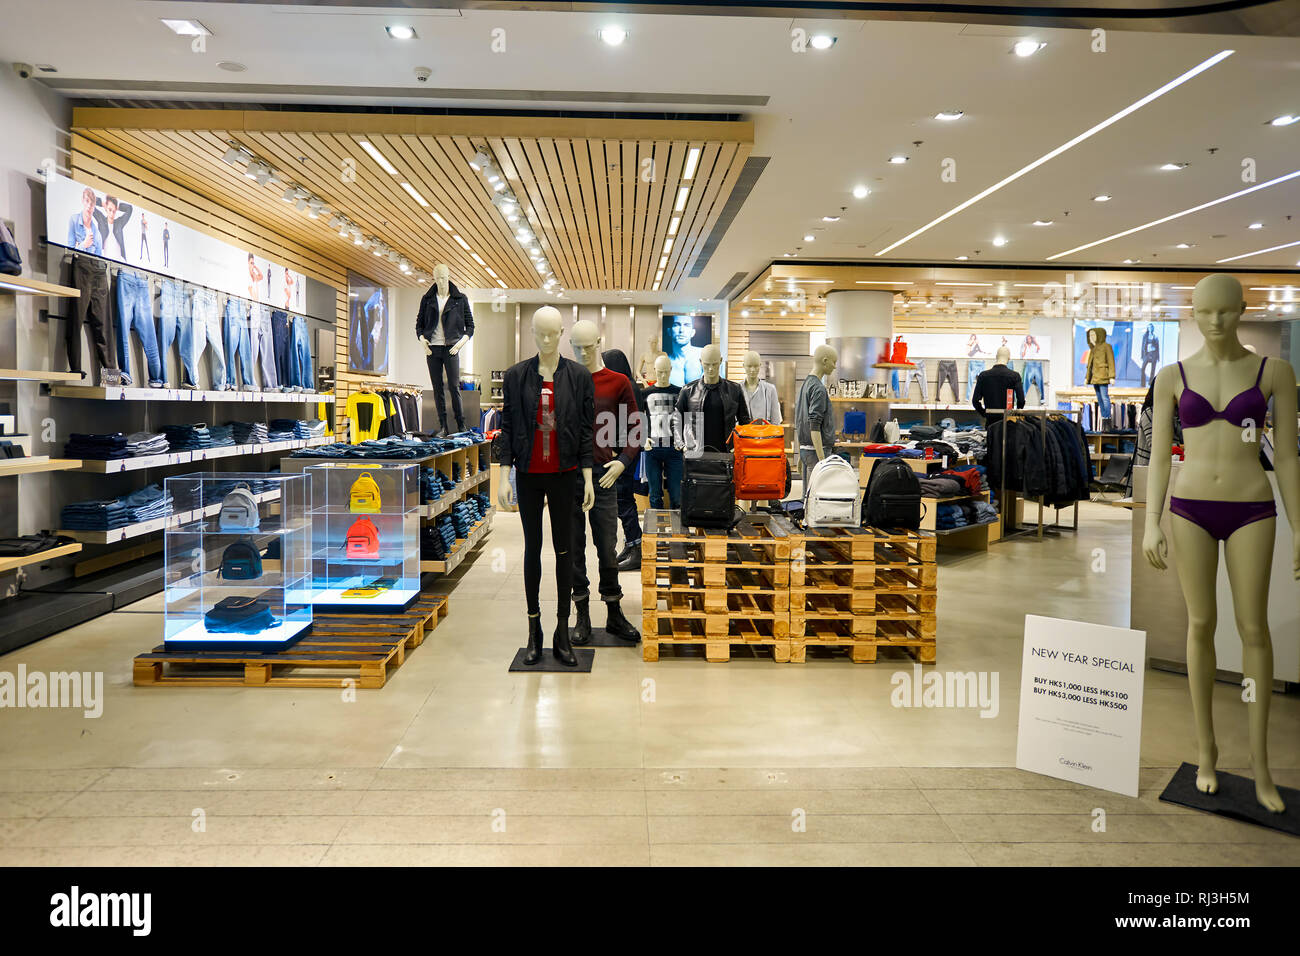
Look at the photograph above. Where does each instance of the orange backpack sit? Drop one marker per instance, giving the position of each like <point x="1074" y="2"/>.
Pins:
<point x="760" y="470"/>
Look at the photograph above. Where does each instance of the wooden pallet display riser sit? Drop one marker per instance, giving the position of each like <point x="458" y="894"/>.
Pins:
<point x="658" y="581"/>
<point x="686" y="632"/>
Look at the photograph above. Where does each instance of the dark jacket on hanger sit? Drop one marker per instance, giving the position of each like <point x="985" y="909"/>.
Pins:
<point x="457" y="319"/>
<point x="735" y="410"/>
<point x="575" y="413"/>
<point x="991" y="388"/>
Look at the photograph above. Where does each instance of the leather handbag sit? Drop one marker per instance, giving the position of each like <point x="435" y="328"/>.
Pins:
<point x="363" y="540"/>
<point x="760" y="465"/>
<point x="363" y="498"/>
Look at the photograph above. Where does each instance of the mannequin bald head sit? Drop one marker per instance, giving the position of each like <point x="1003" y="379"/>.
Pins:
<point x="753" y="363"/>
<point x="441" y="277"/>
<point x="586" y="341"/>
<point x="711" y="362"/>
<point x="663" y="369"/>
<point x="547" y="327"/>
<point x="1003" y="356"/>
<point x="1217" y="306"/>
<point x="824" y="359"/>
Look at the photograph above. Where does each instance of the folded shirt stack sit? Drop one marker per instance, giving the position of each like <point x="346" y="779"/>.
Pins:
<point x="96" y="447"/>
<point x="140" y="444"/>
<point x="188" y="437"/>
<point x="146" y="504"/>
<point x="941" y="486"/>
<point x="249" y="433"/>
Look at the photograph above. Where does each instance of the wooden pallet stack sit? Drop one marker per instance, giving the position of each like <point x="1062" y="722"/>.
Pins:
<point x="715" y="589"/>
<point x="861" y="589"/>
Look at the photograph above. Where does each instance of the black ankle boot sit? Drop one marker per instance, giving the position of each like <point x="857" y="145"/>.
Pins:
<point x="560" y="644"/>
<point x="582" y="630"/>
<point x="618" y="625"/>
<point x="632" y="560"/>
<point x="534" y="652"/>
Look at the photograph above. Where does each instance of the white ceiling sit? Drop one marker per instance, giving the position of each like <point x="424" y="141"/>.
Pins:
<point x="831" y="119"/>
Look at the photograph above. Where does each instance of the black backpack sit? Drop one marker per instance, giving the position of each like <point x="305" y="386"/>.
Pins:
<point x="893" y="497"/>
<point x="878" y="432"/>
<point x="709" y="491"/>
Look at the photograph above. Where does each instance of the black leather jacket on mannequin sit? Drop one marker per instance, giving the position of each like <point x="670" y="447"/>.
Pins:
<point x="690" y="405"/>
<point x="457" y="319"/>
<point x="575" y="413"/>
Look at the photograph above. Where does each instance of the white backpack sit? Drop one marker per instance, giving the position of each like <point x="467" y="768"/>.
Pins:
<point x="832" y="498"/>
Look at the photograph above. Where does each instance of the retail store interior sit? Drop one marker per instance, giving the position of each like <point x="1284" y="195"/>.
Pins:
<point x="414" y="418"/>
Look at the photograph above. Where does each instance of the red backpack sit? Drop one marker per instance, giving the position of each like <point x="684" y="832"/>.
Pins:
<point x="761" y="468"/>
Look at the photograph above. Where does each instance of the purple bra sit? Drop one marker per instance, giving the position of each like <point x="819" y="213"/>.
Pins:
<point x="1195" y="410"/>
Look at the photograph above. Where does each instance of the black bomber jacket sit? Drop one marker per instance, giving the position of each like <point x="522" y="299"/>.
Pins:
<point x="575" y="413"/>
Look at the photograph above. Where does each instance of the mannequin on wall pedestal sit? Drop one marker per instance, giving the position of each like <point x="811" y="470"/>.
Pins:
<point x="616" y="446"/>
<point x="1224" y="494"/>
<point x="711" y="406"/>
<point x="444" y="324"/>
<point x="814" y="422"/>
<point x="547" y="416"/>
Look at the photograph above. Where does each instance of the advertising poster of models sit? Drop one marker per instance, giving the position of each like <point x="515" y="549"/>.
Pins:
<point x="683" y="338"/>
<point x="102" y="224"/>
<point x="1141" y="350"/>
<point x="367" y="326"/>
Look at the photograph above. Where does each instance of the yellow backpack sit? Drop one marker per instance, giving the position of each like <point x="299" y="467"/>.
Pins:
<point x="364" y="495"/>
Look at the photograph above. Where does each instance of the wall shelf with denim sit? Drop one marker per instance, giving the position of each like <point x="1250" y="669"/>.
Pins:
<point x="114" y="465"/>
<point x="432" y="509"/>
<point x="156" y="524"/>
<point x="17" y="466"/>
<point x="19" y="285"/>
<point x="463" y="547"/>
<point x="10" y="564"/>
<point x="129" y="394"/>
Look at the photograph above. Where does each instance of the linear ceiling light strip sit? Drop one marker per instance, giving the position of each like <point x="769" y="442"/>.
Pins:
<point x="1257" y="252"/>
<point x="1046" y="157"/>
<point x="1179" y="215"/>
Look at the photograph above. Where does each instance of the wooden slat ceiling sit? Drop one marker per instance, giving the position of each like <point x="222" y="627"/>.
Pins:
<point x="598" y="194"/>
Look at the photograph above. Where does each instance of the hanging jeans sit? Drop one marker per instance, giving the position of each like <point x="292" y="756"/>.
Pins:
<point x="555" y="493"/>
<point x="135" y="312"/>
<point x="664" y="464"/>
<point x="603" y="517"/>
<point x="90" y="276"/>
<point x="917" y="375"/>
<point x="282" y="342"/>
<point x="1034" y="375"/>
<point x="206" y="323"/>
<point x="947" y="373"/>
<point x="304" y="374"/>
<point x="1103" y="399"/>
<point x="238" y="345"/>
<point x="259" y="334"/>
<point x="973" y="369"/>
<point x="175" y="325"/>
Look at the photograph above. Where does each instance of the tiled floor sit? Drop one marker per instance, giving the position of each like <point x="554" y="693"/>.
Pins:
<point x="458" y="761"/>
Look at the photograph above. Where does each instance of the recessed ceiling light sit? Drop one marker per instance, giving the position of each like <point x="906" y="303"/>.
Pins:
<point x="1183" y="245"/>
<point x="999" y="240"/>
<point x="1284" y="120"/>
<point x="984" y="284"/>
<point x="1247" y="255"/>
<point x="949" y="115"/>
<point x="1042" y="222"/>
<point x="187" y="28"/>
<point x="612" y="35"/>
<point x="962" y="258"/>
<point x="830" y="218"/>
<point x="1101" y="198"/>
<point x="744" y="313"/>
<point x="378" y="157"/>
<point x="1256" y="225"/>
<point x="440" y="221"/>
<point x="821" y="41"/>
<point x="861" y="192"/>
<point x="681" y="198"/>
<point x="810" y="238"/>
<point x="692" y="160"/>
<point x="898" y="160"/>
<point x="1023" y="48"/>
<point x="1173" y="167"/>
<point x="460" y="242"/>
<point x="401" y="31"/>
<point x="672" y="226"/>
<point x="415" y="195"/>
<point x="231" y="66"/>
<point x="1129" y="262"/>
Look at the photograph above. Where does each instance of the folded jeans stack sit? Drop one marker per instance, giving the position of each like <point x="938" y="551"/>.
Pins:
<point x="96" y="447"/>
<point x="310" y="429"/>
<point x="222" y="436"/>
<point x="146" y="504"/>
<point x="249" y="433"/>
<point x="281" y="429"/>
<point x="188" y="437"/>
<point x="140" y="444"/>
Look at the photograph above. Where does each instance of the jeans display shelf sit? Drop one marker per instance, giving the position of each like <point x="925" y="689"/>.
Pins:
<point x="113" y="466"/>
<point x="114" y="535"/>
<point x="22" y="561"/>
<point x="133" y="393"/>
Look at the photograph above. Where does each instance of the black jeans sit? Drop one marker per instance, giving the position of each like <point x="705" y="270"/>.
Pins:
<point x="283" y="349"/>
<point x="626" y="488"/>
<point x="91" y="278"/>
<point x="555" y="491"/>
<point x="604" y="531"/>
<point x="441" y="358"/>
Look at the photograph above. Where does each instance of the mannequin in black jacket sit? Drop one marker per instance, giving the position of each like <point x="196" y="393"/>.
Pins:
<point x="711" y="406"/>
<point x="444" y="324"/>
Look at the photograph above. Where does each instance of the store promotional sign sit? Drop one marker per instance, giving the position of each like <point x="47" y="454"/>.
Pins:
<point x="1081" y="703"/>
<point x="89" y="220"/>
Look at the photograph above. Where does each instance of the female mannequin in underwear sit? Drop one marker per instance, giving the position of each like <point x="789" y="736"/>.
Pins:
<point x="1223" y="494"/>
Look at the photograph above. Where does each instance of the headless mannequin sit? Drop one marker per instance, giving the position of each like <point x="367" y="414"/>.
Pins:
<point x="547" y="328"/>
<point x="824" y="359"/>
<point x="1222" y="473"/>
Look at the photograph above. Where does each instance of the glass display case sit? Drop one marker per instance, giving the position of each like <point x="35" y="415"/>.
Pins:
<point x="237" y="562"/>
<point x="366" y="535"/>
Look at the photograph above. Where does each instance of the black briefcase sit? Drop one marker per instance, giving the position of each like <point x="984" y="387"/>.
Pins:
<point x="709" y="490"/>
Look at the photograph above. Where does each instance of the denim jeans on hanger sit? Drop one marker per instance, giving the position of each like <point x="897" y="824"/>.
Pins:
<point x="947" y="373"/>
<point x="282" y="340"/>
<point x="1033" y="374"/>
<point x="175" y="325"/>
<point x="301" y="355"/>
<point x="238" y="344"/>
<point x="135" y="312"/>
<point x="916" y="374"/>
<point x="973" y="369"/>
<point x="259" y="333"/>
<point x="206" y="323"/>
